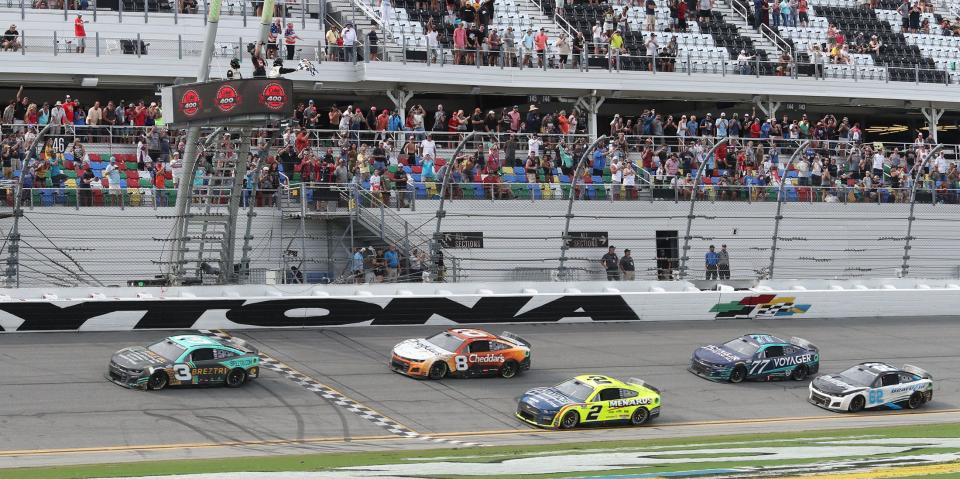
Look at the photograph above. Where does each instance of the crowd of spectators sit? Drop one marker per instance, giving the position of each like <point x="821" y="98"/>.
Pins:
<point x="389" y="153"/>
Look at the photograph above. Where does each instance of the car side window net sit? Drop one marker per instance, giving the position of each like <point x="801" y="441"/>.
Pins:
<point x="202" y="354"/>
<point x="480" y="346"/>
<point x="891" y="379"/>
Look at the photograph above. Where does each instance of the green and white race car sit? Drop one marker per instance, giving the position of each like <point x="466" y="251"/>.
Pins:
<point x="187" y="360"/>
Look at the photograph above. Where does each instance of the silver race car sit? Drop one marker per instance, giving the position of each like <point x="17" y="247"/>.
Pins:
<point x="872" y="385"/>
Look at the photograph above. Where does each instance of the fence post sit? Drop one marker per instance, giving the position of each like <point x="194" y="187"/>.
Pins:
<point x="176" y="12"/>
<point x="905" y="267"/>
<point x="146" y="9"/>
<point x="54" y="43"/>
<point x="65" y="9"/>
<point x="96" y="47"/>
<point x="138" y="45"/>
<point x="693" y="202"/>
<point x="577" y="172"/>
<point x="180" y="46"/>
<point x="303" y="16"/>
<point x="120" y="11"/>
<point x="779" y="216"/>
<point x="23" y="11"/>
<point x="435" y="251"/>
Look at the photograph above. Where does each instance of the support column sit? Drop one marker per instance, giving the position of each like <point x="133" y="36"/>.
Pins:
<point x="400" y="98"/>
<point x="189" y="159"/>
<point x="768" y="107"/>
<point x="933" y="119"/>
<point x="592" y="105"/>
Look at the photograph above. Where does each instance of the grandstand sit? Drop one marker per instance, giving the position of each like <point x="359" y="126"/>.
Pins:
<point x="706" y="124"/>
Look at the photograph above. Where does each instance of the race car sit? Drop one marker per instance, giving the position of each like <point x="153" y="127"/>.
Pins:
<point x="871" y="385"/>
<point x="187" y="360"/>
<point x="462" y="353"/>
<point x="756" y="356"/>
<point x="590" y="399"/>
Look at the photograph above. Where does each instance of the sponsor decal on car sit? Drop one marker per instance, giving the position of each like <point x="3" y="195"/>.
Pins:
<point x="723" y="353"/>
<point x="630" y="402"/>
<point x="760" y="306"/>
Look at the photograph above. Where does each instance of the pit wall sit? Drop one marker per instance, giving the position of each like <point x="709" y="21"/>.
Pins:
<point x="246" y="307"/>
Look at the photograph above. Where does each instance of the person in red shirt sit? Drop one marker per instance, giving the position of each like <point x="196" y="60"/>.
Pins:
<point x="81" y="33"/>
<point x="160" y="177"/>
<point x="140" y="114"/>
<point x="301" y="141"/>
<point x="540" y="43"/>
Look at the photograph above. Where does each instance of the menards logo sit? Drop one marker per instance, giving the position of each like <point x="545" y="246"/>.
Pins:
<point x="629" y="402"/>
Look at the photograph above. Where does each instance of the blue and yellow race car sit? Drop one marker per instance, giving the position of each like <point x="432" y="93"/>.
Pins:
<point x="187" y="360"/>
<point x="590" y="399"/>
<point x="756" y="356"/>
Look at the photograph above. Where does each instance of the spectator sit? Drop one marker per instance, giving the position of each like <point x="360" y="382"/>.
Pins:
<point x="350" y="43"/>
<point x="11" y="40"/>
<point x="290" y="38"/>
<point x="626" y="266"/>
<point x="723" y="262"/>
<point x="80" y="32"/>
<point x="712" y="260"/>
<point x="611" y="264"/>
<point x="392" y="263"/>
<point x="356" y="265"/>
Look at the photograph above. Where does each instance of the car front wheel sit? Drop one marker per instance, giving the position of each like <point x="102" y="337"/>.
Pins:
<point x="236" y="378"/>
<point x="158" y="380"/>
<point x="570" y="420"/>
<point x="738" y="374"/>
<point x="438" y="370"/>
<point x="857" y="404"/>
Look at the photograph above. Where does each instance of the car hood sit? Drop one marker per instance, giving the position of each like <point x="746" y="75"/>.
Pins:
<point x="834" y="384"/>
<point x="716" y="354"/>
<point x="546" y="399"/>
<point x="137" y="357"/>
<point x="419" y="350"/>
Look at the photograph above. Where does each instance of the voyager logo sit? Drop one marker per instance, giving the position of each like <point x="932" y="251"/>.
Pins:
<point x="791" y="360"/>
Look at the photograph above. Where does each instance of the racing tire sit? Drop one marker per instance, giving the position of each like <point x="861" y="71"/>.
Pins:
<point x="738" y="374"/>
<point x="570" y="420"/>
<point x="639" y="416"/>
<point x="438" y="370"/>
<point x="916" y="400"/>
<point x="857" y="404"/>
<point x="158" y="381"/>
<point x="509" y="369"/>
<point x="799" y="373"/>
<point x="236" y="377"/>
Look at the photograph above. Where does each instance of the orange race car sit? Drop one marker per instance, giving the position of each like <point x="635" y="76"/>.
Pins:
<point x="462" y="353"/>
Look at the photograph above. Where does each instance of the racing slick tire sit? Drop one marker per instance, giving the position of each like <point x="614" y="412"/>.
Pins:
<point x="916" y="400"/>
<point x="857" y="404"/>
<point x="438" y="370"/>
<point x="799" y="373"/>
<point x="509" y="369"/>
<point x="158" y="380"/>
<point x="236" y="377"/>
<point x="738" y="374"/>
<point x="570" y="420"/>
<point x="639" y="416"/>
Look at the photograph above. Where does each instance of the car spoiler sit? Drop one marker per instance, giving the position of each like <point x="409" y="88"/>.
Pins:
<point x="642" y="383"/>
<point x="803" y="343"/>
<point x="915" y="370"/>
<point x="240" y="344"/>
<point x="513" y="338"/>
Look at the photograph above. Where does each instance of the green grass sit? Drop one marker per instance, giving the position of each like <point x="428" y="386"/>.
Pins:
<point x="712" y="445"/>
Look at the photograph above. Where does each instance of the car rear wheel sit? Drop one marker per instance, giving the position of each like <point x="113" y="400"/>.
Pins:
<point x="570" y="420"/>
<point x="639" y="416"/>
<point x="236" y="378"/>
<point x="438" y="370"/>
<point x="738" y="374"/>
<point x="857" y="404"/>
<point x="916" y="400"/>
<point x="158" y="380"/>
<point x="509" y="369"/>
<point x="799" y="373"/>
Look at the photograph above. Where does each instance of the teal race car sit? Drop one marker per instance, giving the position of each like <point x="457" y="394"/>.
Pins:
<point x="187" y="360"/>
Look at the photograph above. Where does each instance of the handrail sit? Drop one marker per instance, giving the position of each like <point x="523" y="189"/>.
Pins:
<point x="376" y="19"/>
<point x="558" y="19"/>
<point x="764" y="30"/>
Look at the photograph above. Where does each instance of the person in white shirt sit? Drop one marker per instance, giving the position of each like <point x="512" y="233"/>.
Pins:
<point x="349" y="41"/>
<point x="878" y="164"/>
<point x="629" y="181"/>
<point x="533" y="146"/>
<point x="428" y="147"/>
<point x="941" y="162"/>
<point x="616" y="173"/>
<point x="803" y="172"/>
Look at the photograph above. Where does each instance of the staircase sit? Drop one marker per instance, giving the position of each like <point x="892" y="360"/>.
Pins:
<point x="736" y="18"/>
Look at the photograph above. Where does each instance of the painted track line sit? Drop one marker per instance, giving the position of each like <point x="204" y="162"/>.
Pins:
<point x="340" y="400"/>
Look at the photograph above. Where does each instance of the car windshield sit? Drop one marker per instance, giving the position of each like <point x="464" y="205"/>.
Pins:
<point x="742" y="346"/>
<point x="858" y="376"/>
<point x="445" y="341"/>
<point x="574" y="389"/>
<point x="167" y="349"/>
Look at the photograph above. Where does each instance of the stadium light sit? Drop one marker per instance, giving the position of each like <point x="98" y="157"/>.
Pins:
<point x="318" y="85"/>
<point x="89" y="81"/>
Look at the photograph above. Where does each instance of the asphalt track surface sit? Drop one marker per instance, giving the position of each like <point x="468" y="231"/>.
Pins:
<point x="58" y="408"/>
